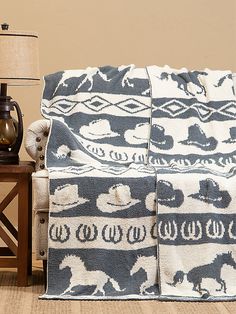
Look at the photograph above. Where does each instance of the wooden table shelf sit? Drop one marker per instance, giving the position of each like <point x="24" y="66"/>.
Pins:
<point x="18" y="253"/>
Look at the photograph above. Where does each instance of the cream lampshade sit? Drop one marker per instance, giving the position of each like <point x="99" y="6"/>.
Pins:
<point x="19" y="65"/>
<point x="19" y="57"/>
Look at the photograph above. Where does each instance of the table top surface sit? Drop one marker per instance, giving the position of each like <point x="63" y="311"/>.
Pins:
<point x="22" y="167"/>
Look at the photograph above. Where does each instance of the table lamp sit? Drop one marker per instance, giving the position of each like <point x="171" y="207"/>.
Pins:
<point x="18" y="66"/>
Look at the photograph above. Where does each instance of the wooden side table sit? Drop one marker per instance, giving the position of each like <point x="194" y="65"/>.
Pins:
<point x="18" y="252"/>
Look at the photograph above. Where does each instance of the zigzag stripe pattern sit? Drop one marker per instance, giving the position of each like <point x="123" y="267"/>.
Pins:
<point x="95" y="104"/>
<point x="182" y="108"/>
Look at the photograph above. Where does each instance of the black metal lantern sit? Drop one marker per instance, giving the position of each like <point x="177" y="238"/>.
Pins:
<point x="11" y="131"/>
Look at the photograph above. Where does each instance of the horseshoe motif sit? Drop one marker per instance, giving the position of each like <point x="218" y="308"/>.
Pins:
<point x="116" y="156"/>
<point x="112" y="233"/>
<point x="86" y="233"/>
<point x="59" y="233"/>
<point x="215" y="229"/>
<point x="193" y="230"/>
<point x="231" y="235"/>
<point x="136" y="234"/>
<point x="154" y="231"/>
<point x="170" y="230"/>
<point x="96" y="150"/>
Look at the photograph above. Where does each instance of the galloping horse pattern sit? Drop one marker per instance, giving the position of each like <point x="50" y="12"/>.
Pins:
<point x="149" y="265"/>
<point x="81" y="276"/>
<point x="212" y="270"/>
<point x="184" y="79"/>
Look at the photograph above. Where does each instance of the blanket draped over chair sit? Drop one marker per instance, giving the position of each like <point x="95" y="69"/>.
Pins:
<point x="142" y="167"/>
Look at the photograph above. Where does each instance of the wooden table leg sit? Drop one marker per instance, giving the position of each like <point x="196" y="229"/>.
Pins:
<point x="29" y="225"/>
<point x="23" y="232"/>
<point x="17" y="256"/>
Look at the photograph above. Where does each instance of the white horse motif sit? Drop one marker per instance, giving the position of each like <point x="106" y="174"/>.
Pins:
<point x="81" y="276"/>
<point x="89" y="77"/>
<point x="133" y="73"/>
<point x="149" y="265"/>
<point x="90" y="73"/>
<point x="126" y="78"/>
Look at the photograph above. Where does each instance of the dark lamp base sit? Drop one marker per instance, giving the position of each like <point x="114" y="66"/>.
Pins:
<point x="8" y="158"/>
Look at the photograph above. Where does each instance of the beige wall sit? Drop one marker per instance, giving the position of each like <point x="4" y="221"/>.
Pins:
<point x="77" y="34"/>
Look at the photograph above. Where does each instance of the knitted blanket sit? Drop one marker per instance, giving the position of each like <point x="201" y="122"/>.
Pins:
<point x="192" y="146"/>
<point x="141" y="164"/>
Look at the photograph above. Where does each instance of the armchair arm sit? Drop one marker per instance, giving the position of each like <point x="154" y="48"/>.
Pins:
<point x="35" y="141"/>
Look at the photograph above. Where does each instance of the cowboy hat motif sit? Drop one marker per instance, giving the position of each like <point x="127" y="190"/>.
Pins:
<point x="97" y="129"/>
<point x="167" y="195"/>
<point x="65" y="197"/>
<point x="63" y="152"/>
<point x="198" y="138"/>
<point x="117" y="198"/>
<point x="210" y="193"/>
<point x="232" y="139"/>
<point x="138" y="135"/>
<point x="159" y="139"/>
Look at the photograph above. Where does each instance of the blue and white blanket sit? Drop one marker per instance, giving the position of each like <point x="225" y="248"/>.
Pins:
<point x="141" y="164"/>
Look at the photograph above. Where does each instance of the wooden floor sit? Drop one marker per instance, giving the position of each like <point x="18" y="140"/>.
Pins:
<point x="14" y="300"/>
